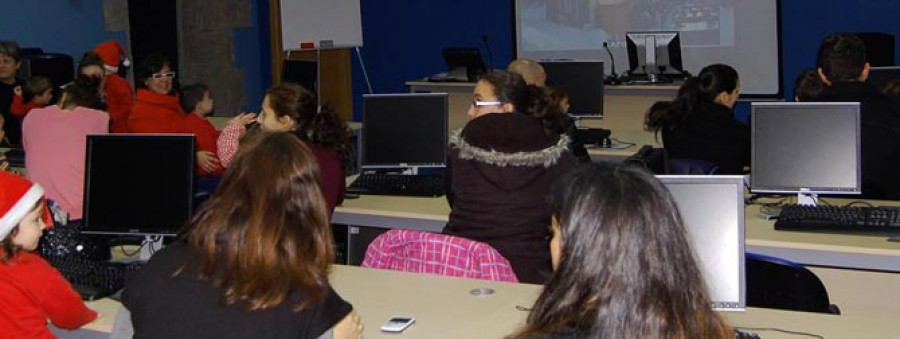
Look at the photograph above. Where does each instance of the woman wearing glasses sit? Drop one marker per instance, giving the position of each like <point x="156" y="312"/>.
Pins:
<point x="156" y="108"/>
<point x="501" y="166"/>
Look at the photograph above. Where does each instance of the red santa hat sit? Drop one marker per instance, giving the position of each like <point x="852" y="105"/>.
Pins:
<point x="17" y="198"/>
<point x="110" y="52"/>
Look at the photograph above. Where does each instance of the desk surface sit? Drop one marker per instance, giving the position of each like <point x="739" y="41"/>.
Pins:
<point x="445" y="308"/>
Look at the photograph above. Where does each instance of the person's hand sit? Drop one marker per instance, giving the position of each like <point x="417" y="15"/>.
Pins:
<point x="18" y="90"/>
<point x="207" y="161"/>
<point x="349" y="328"/>
<point x="243" y="119"/>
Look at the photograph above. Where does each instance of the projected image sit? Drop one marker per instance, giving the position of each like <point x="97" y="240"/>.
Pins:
<point x="548" y="25"/>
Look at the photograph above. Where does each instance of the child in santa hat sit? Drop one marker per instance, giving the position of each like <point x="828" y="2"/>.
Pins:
<point x="31" y="291"/>
<point x="119" y="94"/>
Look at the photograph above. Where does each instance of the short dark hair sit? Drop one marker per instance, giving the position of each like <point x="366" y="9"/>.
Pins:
<point x="191" y="95"/>
<point x="808" y="85"/>
<point x="10" y="48"/>
<point x="90" y="59"/>
<point x="149" y="65"/>
<point x="35" y="86"/>
<point x="84" y="92"/>
<point x="842" y="57"/>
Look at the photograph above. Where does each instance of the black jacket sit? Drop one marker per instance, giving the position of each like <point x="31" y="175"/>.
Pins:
<point x="880" y="139"/>
<point x="501" y="168"/>
<point x="710" y="132"/>
<point x="13" y="125"/>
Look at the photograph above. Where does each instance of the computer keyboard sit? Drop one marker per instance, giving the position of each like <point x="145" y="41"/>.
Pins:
<point x="397" y="184"/>
<point x="840" y="219"/>
<point x="93" y="279"/>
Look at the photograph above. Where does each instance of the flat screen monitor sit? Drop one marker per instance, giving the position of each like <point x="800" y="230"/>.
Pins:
<point x="881" y="76"/>
<point x="404" y="130"/>
<point x="583" y="80"/>
<point x="464" y="63"/>
<point x="712" y="209"/>
<point x="654" y="55"/>
<point x="805" y="148"/>
<point x="140" y="184"/>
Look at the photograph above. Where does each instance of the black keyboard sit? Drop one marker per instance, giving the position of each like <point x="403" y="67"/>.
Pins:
<point x="844" y="219"/>
<point x="93" y="279"/>
<point x="396" y="184"/>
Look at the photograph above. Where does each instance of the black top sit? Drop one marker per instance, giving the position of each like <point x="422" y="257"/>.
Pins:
<point x="13" y="125"/>
<point x="880" y="139"/>
<point x="163" y="306"/>
<point x="501" y="167"/>
<point x="710" y="133"/>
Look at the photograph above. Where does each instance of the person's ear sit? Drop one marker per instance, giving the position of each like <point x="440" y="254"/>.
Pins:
<point x="823" y="77"/>
<point x="287" y="121"/>
<point x="508" y="108"/>
<point x="865" y="72"/>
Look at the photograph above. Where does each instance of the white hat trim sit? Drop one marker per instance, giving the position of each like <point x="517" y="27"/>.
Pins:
<point x="12" y="218"/>
<point x="111" y="68"/>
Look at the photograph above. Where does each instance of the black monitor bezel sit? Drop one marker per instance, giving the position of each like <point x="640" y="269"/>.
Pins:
<point x="676" y="64"/>
<point x="468" y="58"/>
<point x="573" y="110"/>
<point x="88" y="228"/>
<point x="444" y="128"/>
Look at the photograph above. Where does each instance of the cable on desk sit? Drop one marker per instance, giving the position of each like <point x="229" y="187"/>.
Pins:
<point x="859" y="202"/>
<point x="131" y="254"/>
<point x="622" y="142"/>
<point x="772" y="329"/>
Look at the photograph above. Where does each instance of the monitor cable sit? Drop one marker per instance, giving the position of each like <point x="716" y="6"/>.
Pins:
<point x="365" y="73"/>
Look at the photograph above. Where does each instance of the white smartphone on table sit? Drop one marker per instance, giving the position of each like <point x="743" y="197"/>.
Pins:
<point x="397" y="324"/>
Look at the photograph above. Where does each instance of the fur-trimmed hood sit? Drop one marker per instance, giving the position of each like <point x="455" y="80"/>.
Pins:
<point x="514" y="140"/>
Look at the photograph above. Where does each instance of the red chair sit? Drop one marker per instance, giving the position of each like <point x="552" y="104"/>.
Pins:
<point x="434" y="253"/>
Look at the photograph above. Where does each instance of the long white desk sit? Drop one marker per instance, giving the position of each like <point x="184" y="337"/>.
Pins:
<point x="444" y="307"/>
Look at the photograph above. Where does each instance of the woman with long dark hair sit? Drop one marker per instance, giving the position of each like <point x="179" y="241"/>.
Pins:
<point x="700" y="125"/>
<point x="253" y="262"/>
<point x="501" y="166"/>
<point x="624" y="267"/>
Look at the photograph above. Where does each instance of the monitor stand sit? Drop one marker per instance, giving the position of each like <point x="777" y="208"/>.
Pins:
<point x="151" y="245"/>
<point x="807" y="198"/>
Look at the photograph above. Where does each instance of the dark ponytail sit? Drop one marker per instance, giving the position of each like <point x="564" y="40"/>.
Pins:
<point x="528" y="99"/>
<point x="703" y="88"/>
<point x="84" y="91"/>
<point x="321" y="126"/>
<point x="546" y="105"/>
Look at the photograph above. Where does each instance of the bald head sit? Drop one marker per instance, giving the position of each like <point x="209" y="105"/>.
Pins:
<point x="532" y="71"/>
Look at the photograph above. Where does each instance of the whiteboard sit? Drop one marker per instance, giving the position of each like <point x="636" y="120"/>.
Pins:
<point x="312" y="21"/>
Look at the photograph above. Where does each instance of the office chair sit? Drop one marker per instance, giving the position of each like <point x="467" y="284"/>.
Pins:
<point x="781" y="284"/>
<point x="692" y="166"/>
<point x="650" y="158"/>
<point x="435" y="253"/>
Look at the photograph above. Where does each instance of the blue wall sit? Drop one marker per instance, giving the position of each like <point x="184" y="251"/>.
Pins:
<point x="58" y="26"/>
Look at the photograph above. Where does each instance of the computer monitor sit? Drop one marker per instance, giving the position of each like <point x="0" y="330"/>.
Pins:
<point x="805" y="148"/>
<point x="138" y="184"/>
<point x="404" y="130"/>
<point x="583" y="80"/>
<point x="654" y="55"/>
<point x="464" y="63"/>
<point x="712" y="209"/>
<point x="880" y="76"/>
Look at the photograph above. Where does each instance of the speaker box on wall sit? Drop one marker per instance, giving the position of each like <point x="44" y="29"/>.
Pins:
<point x="879" y="48"/>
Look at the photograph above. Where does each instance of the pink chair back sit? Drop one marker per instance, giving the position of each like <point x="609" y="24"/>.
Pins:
<point x="434" y="253"/>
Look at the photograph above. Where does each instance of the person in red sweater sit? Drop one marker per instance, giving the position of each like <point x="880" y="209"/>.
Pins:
<point x="119" y="94"/>
<point x="36" y="93"/>
<point x="157" y="109"/>
<point x="196" y="101"/>
<point x="31" y="291"/>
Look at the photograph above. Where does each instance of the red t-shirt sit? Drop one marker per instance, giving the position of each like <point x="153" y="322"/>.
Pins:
<point x="19" y="108"/>
<point x="31" y="292"/>
<point x="206" y="136"/>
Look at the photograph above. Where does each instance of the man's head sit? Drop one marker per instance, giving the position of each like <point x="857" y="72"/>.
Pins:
<point x="532" y="71"/>
<point x="842" y="58"/>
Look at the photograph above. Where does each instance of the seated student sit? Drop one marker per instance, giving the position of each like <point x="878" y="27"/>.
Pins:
<point x="119" y="96"/>
<point x="31" y="291"/>
<point x="623" y="264"/>
<point x="91" y="65"/>
<point x="501" y="166"/>
<point x="808" y="86"/>
<point x="196" y="101"/>
<point x="54" y="138"/>
<point x="36" y="93"/>
<point x="10" y="127"/>
<point x="254" y="260"/>
<point x="290" y="107"/>
<point x="552" y="109"/>
<point x="843" y="68"/>
<point x="700" y="125"/>
<point x="156" y="108"/>
<point x="530" y="70"/>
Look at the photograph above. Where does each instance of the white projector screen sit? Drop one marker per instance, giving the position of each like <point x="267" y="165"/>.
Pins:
<point x="743" y="34"/>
